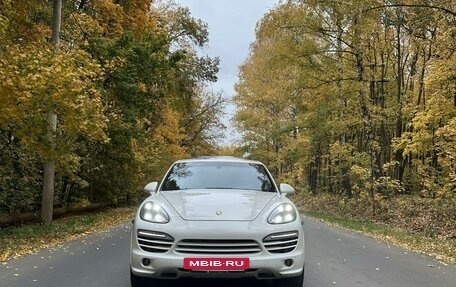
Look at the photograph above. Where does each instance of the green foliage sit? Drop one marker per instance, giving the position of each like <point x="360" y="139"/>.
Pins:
<point x="18" y="193"/>
<point x="387" y="186"/>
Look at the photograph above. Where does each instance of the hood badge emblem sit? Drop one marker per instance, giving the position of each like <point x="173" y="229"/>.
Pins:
<point x="218" y="212"/>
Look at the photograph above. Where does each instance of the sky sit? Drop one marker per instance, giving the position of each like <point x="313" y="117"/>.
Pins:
<point x="231" y="26"/>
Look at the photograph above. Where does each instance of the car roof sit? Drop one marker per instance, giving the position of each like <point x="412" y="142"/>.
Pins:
<point x="218" y="159"/>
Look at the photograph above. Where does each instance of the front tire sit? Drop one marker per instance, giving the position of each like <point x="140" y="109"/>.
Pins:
<point x="290" y="282"/>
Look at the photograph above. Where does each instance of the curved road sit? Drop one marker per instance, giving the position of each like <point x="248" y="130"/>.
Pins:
<point x="335" y="257"/>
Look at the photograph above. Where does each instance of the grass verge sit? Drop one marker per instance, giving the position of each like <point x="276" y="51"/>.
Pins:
<point x="443" y="250"/>
<point x="26" y="239"/>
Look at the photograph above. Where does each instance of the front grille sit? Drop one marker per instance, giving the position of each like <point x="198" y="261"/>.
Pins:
<point x="153" y="241"/>
<point x="208" y="246"/>
<point x="281" y="242"/>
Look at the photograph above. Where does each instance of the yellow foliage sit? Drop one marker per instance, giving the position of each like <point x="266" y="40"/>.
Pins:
<point x="36" y="80"/>
<point x="115" y="18"/>
<point x="110" y="17"/>
<point x="138" y="16"/>
<point x="169" y="133"/>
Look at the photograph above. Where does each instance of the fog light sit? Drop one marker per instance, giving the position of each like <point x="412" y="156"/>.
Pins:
<point x="288" y="262"/>
<point x="146" y="261"/>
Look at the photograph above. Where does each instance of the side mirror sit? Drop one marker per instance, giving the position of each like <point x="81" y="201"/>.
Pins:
<point x="286" y="189"/>
<point x="151" y="187"/>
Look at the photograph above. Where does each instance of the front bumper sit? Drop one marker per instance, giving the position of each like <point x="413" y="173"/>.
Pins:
<point x="263" y="264"/>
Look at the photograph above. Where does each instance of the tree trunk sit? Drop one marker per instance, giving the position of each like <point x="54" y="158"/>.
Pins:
<point x="47" y="201"/>
<point x="365" y="111"/>
<point x="345" y="181"/>
<point x="312" y="177"/>
<point x="398" y="157"/>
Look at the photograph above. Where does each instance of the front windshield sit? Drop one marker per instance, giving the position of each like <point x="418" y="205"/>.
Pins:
<point x="218" y="175"/>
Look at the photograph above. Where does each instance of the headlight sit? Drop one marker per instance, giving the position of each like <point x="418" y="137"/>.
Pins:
<point x="153" y="212"/>
<point x="284" y="213"/>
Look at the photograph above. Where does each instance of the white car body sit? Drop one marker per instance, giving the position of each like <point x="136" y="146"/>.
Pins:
<point x="217" y="232"/>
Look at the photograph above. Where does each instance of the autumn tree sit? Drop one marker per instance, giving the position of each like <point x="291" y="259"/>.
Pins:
<point x="129" y="86"/>
<point x="37" y="79"/>
<point x="356" y="80"/>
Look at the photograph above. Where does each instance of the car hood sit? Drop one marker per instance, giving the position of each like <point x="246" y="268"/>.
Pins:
<point x="235" y="205"/>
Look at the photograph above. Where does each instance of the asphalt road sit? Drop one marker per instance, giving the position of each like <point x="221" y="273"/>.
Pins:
<point x="335" y="257"/>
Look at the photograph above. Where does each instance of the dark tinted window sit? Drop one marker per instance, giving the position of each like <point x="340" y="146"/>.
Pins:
<point x="218" y="175"/>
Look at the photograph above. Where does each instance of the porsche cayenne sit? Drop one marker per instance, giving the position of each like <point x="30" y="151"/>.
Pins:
<point x="217" y="217"/>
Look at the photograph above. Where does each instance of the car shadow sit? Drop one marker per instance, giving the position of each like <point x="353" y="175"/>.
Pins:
<point x="246" y="282"/>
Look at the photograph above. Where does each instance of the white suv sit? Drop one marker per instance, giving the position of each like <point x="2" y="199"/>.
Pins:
<point x="217" y="217"/>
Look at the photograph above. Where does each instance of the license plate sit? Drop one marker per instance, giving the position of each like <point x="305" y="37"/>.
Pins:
<point x="217" y="264"/>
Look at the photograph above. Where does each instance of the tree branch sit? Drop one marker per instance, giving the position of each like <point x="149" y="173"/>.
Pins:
<point x="411" y="6"/>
